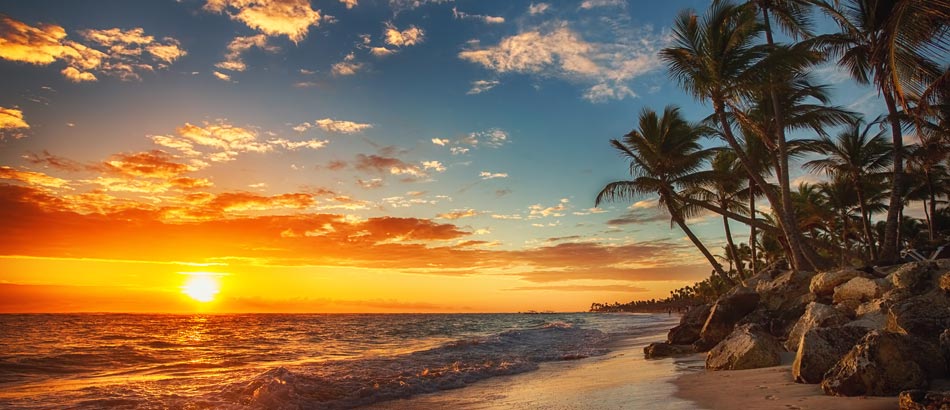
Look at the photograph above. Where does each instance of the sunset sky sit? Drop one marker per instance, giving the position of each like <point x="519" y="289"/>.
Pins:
<point x="335" y="155"/>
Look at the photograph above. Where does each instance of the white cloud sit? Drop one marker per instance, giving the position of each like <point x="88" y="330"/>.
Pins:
<point x="555" y="50"/>
<point x="440" y="141"/>
<point x="481" y="86"/>
<point x="539" y="8"/>
<point x="347" y="67"/>
<point x="341" y="126"/>
<point x="539" y="211"/>
<point x="478" y="17"/>
<point x="433" y="165"/>
<point x="590" y="4"/>
<point x="458" y="150"/>
<point x="349" y="3"/>
<point x="490" y="175"/>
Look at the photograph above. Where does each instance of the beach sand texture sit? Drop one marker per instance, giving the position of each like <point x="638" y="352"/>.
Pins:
<point x="767" y="389"/>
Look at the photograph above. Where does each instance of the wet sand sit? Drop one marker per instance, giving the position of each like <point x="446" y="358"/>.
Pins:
<point x="622" y="379"/>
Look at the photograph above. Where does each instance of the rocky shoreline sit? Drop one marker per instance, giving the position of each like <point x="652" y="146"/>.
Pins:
<point x="883" y="332"/>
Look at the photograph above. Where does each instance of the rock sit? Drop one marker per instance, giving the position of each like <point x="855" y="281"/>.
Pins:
<point x="885" y="284"/>
<point x="857" y="289"/>
<point x="821" y="348"/>
<point x="915" y="276"/>
<point x="816" y="315"/>
<point x="884" y="364"/>
<point x="874" y="306"/>
<point x="824" y="283"/>
<point x="870" y="321"/>
<point x="784" y="290"/>
<point x="848" y="307"/>
<point x="747" y="347"/>
<point x="663" y="349"/>
<point x="724" y="315"/>
<point x="690" y="325"/>
<point x="944" y="282"/>
<point x="925" y="316"/>
<point x="924" y="400"/>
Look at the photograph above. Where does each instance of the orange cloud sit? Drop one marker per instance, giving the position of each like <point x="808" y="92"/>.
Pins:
<point x="404" y="38"/>
<point x="234" y="60"/>
<point x="291" y="18"/>
<point x="123" y="56"/>
<point x="32" y="178"/>
<point x="12" y="118"/>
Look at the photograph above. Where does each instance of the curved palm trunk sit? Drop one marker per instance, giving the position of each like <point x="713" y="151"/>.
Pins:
<point x="890" y="247"/>
<point x="865" y="219"/>
<point x="733" y="249"/>
<point x="702" y="248"/>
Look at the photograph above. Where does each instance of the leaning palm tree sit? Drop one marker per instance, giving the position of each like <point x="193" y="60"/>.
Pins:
<point x="892" y="44"/>
<point x="716" y="59"/>
<point x="664" y="155"/>
<point x="857" y="154"/>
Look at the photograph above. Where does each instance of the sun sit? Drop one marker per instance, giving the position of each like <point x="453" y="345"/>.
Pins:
<point x="202" y="287"/>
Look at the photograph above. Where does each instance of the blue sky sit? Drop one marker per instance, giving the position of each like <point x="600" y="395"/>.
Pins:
<point x="489" y="116"/>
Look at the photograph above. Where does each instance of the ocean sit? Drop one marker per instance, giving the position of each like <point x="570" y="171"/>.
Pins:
<point x="278" y="361"/>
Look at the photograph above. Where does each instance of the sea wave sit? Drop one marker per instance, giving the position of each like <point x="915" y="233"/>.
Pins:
<point x="348" y="384"/>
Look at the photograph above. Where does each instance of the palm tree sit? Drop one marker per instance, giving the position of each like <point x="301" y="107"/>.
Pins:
<point x="840" y="197"/>
<point x="715" y="59"/>
<point x="664" y="155"/>
<point x="856" y="154"/>
<point x="889" y="42"/>
<point x="724" y="186"/>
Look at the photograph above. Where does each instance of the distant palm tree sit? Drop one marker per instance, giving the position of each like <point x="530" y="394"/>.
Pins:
<point x="716" y="59"/>
<point x="840" y="197"/>
<point x="856" y="154"/>
<point x="664" y="154"/>
<point x="890" y="43"/>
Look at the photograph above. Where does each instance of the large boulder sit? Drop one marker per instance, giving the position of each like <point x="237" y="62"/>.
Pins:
<point x="690" y="325"/>
<point x="824" y="283"/>
<point x="821" y="348"/>
<point x="858" y="289"/>
<point x="925" y="316"/>
<point x="943" y="282"/>
<point x="884" y="364"/>
<point x="816" y="315"/>
<point x="945" y="346"/>
<point x="924" y="400"/>
<point x="747" y="347"/>
<point x="663" y="349"/>
<point x="728" y="310"/>
<point x="784" y="290"/>
<point x="916" y="276"/>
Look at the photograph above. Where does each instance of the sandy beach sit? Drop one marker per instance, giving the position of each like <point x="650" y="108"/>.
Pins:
<point x="767" y="388"/>
<point x="623" y="379"/>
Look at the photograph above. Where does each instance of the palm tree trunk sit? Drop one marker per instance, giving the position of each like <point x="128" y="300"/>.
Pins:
<point x="752" y="226"/>
<point x="733" y="249"/>
<point x="844" y="238"/>
<point x="788" y="226"/>
<point x="889" y="247"/>
<point x="792" y="232"/>
<point x="865" y="219"/>
<point x="712" y="260"/>
<point x="931" y="205"/>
